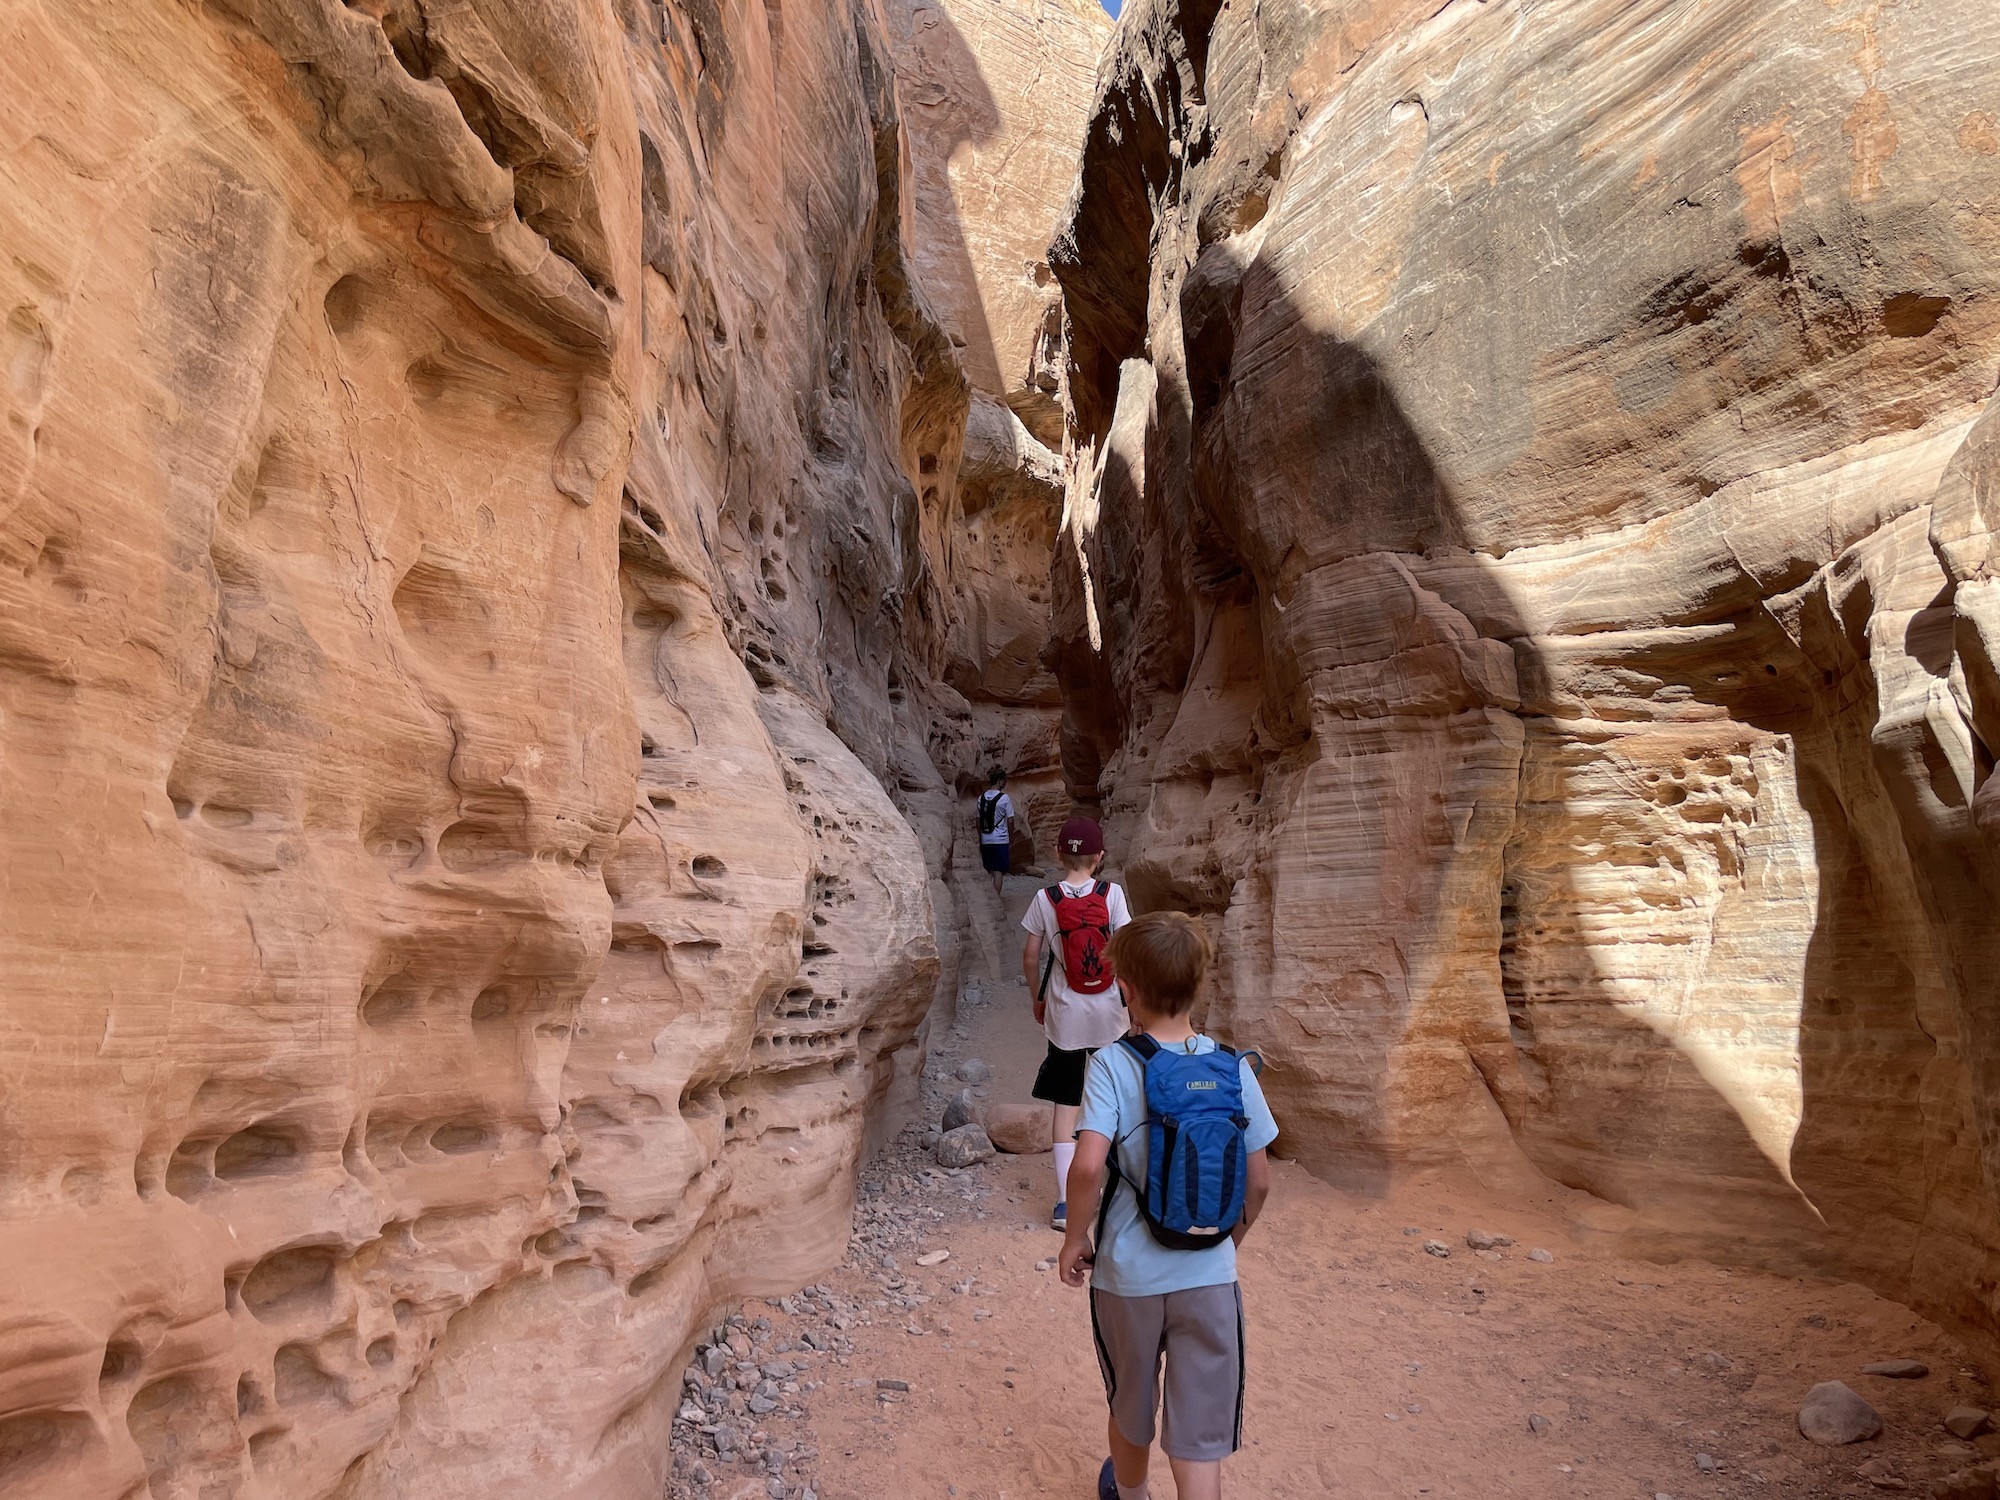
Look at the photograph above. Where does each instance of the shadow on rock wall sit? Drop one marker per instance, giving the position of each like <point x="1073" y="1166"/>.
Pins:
<point x="1681" y="914"/>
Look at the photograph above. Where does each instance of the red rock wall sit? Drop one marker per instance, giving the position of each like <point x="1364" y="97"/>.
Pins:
<point x="476" y="484"/>
<point x="1525" y="580"/>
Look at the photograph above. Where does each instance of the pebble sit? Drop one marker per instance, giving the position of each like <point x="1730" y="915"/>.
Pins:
<point x="935" y="1258"/>
<point x="1832" y="1414"/>
<point x="1480" y="1239"/>
<point x="1541" y="1257"/>
<point x="1044" y="1265"/>
<point x="1537" y="1423"/>
<point x="892" y="1385"/>
<point x="974" y="1070"/>
<point x="1706" y="1462"/>
<point x="1881" y="1472"/>
<point x="1438" y="1248"/>
<point x="1898" y="1369"/>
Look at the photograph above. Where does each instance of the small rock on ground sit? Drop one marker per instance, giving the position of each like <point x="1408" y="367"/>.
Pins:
<point x="1898" y="1369"/>
<point x="964" y="1146"/>
<point x="975" y="1070"/>
<point x="1833" y="1414"/>
<point x="1480" y="1239"/>
<point x="1967" y="1422"/>
<point x="963" y="1110"/>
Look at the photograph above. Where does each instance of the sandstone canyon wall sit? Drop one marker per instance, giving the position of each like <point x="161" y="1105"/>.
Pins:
<point x="997" y="94"/>
<point x="1527" y="577"/>
<point x="478" y="486"/>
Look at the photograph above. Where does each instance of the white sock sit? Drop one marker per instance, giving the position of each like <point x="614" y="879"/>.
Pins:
<point x="1065" y="1152"/>
<point x="1139" y="1491"/>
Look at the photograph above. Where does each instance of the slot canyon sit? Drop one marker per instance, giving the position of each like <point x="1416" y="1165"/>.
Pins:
<point x="524" y="523"/>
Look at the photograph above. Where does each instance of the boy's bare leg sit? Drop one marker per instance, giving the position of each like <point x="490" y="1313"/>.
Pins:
<point x="1193" y="1481"/>
<point x="1128" y="1460"/>
<point x="1062" y="1123"/>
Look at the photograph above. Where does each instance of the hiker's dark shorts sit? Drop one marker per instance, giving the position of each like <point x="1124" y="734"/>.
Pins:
<point x="996" y="857"/>
<point x="1199" y="1332"/>
<point x="1060" y="1079"/>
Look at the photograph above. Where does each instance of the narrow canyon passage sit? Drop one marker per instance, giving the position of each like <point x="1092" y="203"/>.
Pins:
<point x="956" y="1364"/>
<point x="525" y="525"/>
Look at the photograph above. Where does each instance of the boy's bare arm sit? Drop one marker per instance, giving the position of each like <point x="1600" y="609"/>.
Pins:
<point x="1256" y="1188"/>
<point x="1031" y="962"/>
<point x="1085" y="1188"/>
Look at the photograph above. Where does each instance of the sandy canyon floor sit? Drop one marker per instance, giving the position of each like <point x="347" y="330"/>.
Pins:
<point x="1376" y="1368"/>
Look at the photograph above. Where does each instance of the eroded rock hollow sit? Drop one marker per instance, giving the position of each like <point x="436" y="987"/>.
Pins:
<point x="479" y="493"/>
<point x="1527" y="578"/>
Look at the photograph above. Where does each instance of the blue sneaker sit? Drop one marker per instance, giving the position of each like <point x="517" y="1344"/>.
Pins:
<point x="1060" y="1218"/>
<point x="1107" y="1483"/>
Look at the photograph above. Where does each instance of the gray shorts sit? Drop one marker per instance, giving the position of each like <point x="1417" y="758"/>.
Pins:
<point x="1200" y="1334"/>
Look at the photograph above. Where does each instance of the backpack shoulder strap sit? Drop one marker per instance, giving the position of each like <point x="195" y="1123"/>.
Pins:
<point x="1102" y="887"/>
<point x="1144" y="1048"/>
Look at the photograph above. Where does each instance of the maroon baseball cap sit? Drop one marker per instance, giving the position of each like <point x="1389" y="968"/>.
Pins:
<point x="1081" y="836"/>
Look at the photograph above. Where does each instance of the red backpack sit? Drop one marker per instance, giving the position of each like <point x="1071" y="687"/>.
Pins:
<point x="1084" y="923"/>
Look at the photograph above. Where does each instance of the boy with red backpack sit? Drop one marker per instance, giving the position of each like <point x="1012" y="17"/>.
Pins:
<point x="1077" y="1002"/>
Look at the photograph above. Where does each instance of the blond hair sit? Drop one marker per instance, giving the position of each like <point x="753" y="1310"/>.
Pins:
<point x="1164" y="955"/>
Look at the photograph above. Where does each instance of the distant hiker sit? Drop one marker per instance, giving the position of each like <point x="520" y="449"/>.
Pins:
<point x="996" y="828"/>
<point x="1076" y="998"/>
<point x="1179" y="1126"/>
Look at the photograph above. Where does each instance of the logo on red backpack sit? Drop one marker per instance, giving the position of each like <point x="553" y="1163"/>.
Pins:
<point x="1084" y="925"/>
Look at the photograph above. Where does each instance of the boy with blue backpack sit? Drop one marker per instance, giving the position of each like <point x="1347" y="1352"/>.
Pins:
<point x="1170" y="1165"/>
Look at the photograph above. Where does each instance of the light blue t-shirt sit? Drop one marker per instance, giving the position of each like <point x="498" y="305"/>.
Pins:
<point x="1130" y="1262"/>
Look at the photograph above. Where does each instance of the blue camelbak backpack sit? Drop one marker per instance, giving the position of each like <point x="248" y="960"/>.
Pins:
<point x="1196" y="1156"/>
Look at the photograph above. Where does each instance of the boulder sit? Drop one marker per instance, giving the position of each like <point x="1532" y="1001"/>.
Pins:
<point x="1833" y="1414"/>
<point x="1018" y="1129"/>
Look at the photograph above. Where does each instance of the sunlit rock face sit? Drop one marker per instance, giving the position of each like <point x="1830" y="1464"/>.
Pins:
<point x="997" y="94"/>
<point x="1525" y="579"/>
<point x="476" y="489"/>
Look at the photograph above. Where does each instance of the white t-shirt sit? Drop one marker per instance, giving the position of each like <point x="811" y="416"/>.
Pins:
<point x="1001" y="814"/>
<point x="1077" y="1021"/>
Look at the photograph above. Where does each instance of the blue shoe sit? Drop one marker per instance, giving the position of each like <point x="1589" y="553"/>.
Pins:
<point x="1060" y="1218"/>
<point x="1107" y="1483"/>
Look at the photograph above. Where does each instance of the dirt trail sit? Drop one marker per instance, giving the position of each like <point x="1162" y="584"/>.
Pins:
<point x="1376" y="1368"/>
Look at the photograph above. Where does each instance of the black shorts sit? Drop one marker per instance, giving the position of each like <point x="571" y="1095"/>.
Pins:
<point x="996" y="857"/>
<point x="1060" y="1078"/>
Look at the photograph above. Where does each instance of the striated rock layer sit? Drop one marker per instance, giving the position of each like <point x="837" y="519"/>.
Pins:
<point x="476" y="499"/>
<point x="1527" y="576"/>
